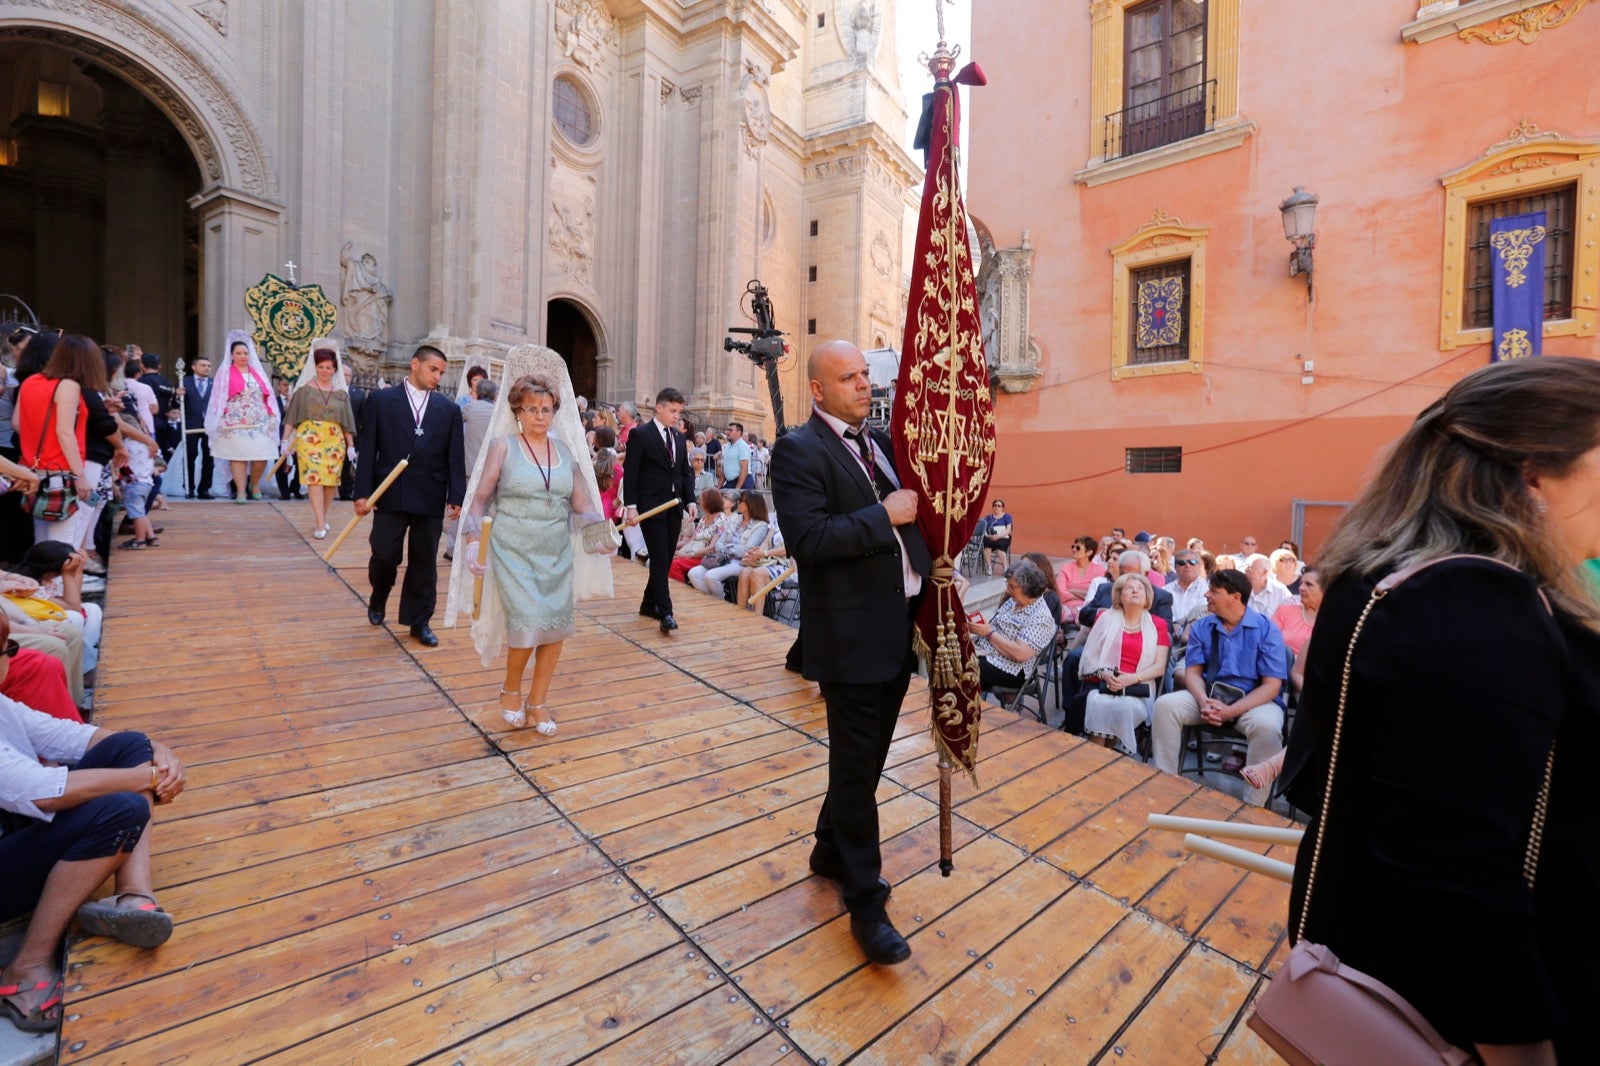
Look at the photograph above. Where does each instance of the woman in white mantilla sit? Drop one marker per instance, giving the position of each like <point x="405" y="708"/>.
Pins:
<point x="534" y="478"/>
<point x="242" y="416"/>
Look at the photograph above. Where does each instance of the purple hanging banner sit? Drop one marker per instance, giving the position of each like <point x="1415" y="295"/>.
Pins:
<point x="1516" y="245"/>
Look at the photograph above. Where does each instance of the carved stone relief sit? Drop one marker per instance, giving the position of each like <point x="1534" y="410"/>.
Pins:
<point x="571" y="225"/>
<point x="251" y="171"/>
<point x="882" y="256"/>
<point x="215" y="12"/>
<point x="1004" y="282"/>
<point x="757" y="123"/>
<point x="859" y="27"/>
<point x="586" y="32"/>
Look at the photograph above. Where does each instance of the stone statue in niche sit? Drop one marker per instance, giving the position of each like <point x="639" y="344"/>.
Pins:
<point x="859" y="28"/>
<point x="364" y="303"/>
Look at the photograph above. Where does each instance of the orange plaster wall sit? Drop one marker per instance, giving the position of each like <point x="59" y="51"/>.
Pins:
<point x="1364" y="121"/>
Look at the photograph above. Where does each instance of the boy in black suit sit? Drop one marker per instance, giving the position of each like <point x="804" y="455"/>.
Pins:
<point x="657" y="470"/>
<point x="409" y="421"/>
<point x="851" y="528"/>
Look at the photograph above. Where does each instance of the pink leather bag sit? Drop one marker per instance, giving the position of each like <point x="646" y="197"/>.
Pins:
<point x="1319" y="1012"/>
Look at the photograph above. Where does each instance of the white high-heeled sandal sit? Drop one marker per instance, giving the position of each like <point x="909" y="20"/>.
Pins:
<point x="544" y="729"/>
<point x="320" y="532"/>
<point x="516" y="717"/>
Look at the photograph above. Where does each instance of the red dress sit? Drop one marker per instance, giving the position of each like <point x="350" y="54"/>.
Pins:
<point x="39" y="681"/>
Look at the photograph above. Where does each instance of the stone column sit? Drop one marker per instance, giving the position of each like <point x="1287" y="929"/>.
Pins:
<point x="1018" y="358"/>
<point x="239" y="242"/>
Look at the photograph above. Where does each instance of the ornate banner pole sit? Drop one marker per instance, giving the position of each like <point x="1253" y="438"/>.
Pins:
<point x="944" y="423"/>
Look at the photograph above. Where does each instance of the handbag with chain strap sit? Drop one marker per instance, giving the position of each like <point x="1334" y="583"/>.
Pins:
<point x="1317" y="1011"/>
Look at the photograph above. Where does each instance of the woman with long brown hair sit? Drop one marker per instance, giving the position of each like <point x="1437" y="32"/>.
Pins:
<point x="53" y="427"/>
<point x="1456" y="849"/>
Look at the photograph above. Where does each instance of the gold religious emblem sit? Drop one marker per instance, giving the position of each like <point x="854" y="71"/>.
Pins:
<point x="1516" y="248"/>
<point x="1515" y="345"/>
<point x="287" y="319"/>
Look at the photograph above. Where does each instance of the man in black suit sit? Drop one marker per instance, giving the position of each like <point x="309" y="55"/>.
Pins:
<point x="851" y="528"/>
<point x="409" y="421"/>
<point x="657" y="470"/>
<point x="196" y="394"/>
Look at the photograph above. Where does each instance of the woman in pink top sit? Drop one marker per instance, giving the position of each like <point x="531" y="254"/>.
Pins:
<point x="1072" y="580"/>
<point x="1296" y="619"/>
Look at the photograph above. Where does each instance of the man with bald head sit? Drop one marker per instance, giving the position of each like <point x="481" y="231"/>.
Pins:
<point x="851" y="528"/>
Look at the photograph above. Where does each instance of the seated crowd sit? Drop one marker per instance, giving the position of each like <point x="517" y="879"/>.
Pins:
<point x="76" y="438"/>
<point x="1152" y="638"/>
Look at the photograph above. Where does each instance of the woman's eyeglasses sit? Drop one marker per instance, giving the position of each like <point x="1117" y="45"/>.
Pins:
<point x="537" y="412"/>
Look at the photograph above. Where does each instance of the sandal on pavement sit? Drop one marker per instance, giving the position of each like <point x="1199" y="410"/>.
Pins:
<point x="546" y="728"/>
<point x="320" y="532"/>
<point x="36" y="1019"/>
<point x="135" y="543"/>
<point x="516" y="717"/>
<point x="144" y="925"/>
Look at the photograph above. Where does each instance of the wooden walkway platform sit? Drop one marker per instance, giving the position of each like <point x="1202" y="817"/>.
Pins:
<point x="368" y="867"/>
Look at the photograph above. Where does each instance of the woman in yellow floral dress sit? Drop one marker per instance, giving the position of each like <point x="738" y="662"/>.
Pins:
<point x="321" y="427"/>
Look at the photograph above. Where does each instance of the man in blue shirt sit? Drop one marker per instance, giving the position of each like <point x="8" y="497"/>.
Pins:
<point x="735" y="458"/>
<point x="1230" y="646"/>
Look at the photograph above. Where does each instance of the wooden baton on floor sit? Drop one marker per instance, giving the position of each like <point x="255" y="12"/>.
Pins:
<point x="770" y="585"/>
<point x="350" y="527"/>
<point x="1245" y="860"/>
<point x="483" y="560"/>
<point x="652" y="512"/>
<point x="1258" y="834"/>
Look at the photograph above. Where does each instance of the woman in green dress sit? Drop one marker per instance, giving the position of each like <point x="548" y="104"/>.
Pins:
<point x="539" y="492"/>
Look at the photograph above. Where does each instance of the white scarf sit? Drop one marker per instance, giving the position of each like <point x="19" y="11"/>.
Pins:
<point x="1103" y="649"/>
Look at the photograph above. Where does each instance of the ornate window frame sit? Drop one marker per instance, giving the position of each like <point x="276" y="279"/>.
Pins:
<point x="1514" y="20"/>
<point x="1163" y="239"/>
<point x="1106" y="74"/>
<point x="1527" y="161"/>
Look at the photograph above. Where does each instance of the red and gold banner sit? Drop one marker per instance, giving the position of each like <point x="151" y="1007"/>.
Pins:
<point x="944" y="417"/>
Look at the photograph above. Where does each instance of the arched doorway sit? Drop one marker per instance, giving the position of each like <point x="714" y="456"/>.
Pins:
<point x="96" y="231"/>
<point x="568" y="330"/>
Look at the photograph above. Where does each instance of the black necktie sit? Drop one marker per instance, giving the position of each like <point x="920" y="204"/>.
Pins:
<point x="880" y="482"/>
<point x="672" y="456"/>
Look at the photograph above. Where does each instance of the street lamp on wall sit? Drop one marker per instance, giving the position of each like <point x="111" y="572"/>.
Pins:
<point x="1299" y="227"/>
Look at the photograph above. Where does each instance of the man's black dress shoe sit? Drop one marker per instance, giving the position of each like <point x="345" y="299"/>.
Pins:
<point x="879" y="941"/>
<point x="826" y="864"/>
<point x="375" y="612"/>
<point x="425" y="636"/>
<point x="646" y="612"/>
<point x="668" y="623"/>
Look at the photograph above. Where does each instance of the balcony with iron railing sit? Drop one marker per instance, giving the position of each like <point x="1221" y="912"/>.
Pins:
<point x="1177" y="116"/>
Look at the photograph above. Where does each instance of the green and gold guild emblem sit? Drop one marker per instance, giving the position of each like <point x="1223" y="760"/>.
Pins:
<point x="287" y="319"/>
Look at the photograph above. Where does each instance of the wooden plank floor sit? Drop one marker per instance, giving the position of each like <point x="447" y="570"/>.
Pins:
<point x="368" y="866"/>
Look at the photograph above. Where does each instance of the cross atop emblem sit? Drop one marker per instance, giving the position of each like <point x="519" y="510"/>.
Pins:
<point x="289" y="266"/>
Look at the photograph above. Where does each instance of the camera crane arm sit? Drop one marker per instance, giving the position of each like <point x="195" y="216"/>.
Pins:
<point x="764" y="348"/>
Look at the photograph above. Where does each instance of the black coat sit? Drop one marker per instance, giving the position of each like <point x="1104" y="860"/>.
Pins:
<point x="1460" y="683"/>
<point x="437" y="474"/>
<point x="852" y="586"/>
<point x="649" y="478"/>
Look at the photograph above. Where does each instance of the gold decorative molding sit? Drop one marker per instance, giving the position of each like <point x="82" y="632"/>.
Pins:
<point x="1159" y="217"/>
<point x="1524" y="26"/>
<point x="1529" y="160"/>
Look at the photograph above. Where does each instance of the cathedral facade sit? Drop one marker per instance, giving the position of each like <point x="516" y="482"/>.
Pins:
<point x="604" y="176"/>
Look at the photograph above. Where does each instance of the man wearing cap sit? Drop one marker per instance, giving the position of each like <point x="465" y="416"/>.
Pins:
<point x="1231" y="650"/>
